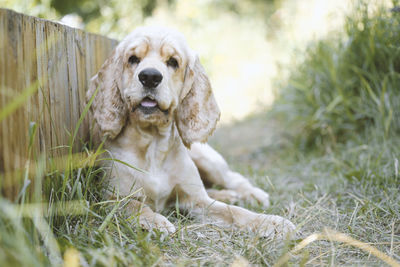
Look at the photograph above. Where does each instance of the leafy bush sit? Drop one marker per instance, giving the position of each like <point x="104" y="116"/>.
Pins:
<point x="348" y="83"/>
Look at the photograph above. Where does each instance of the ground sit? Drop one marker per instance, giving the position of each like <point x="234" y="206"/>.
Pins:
<point x="311" y="190"/>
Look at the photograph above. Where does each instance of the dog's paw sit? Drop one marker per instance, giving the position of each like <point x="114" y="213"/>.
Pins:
<point x="157" y="221"/>
<point x="255" y="195"/>
<point x="273" y="226"/>
<point x="227" y="196"/>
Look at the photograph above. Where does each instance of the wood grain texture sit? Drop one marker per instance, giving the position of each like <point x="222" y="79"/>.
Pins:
<point x="58" y="59"/>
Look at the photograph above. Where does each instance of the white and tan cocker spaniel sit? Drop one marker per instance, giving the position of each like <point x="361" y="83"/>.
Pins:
<point x="154" y="102"/>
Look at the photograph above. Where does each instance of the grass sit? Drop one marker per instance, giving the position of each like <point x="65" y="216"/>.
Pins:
<point x="328" y="153"/>
<point x="348" y="83"/>
<point x="352" y="190"/>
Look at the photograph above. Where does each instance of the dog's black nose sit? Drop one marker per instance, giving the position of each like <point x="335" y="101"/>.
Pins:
<point x="150" y="77"/>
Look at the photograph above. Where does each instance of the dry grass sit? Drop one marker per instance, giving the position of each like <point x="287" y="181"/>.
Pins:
<point x="317" y="191"/>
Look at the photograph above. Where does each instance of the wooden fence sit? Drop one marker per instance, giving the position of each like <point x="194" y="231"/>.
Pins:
<point x="59" y="61"/>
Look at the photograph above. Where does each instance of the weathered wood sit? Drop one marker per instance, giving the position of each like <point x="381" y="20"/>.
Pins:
<point x="61" y="60"/>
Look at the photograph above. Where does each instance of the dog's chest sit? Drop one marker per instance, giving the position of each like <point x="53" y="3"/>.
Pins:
<point x="158" y="187"/>
<point x="154" y="183"/>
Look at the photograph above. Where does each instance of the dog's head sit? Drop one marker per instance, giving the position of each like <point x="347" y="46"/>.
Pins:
<point x="154" y="78"/>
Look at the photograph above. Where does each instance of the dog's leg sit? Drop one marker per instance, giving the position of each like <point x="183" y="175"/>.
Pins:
<point x="148" y="219"/>
<point x="214" y="169"/>
<point x="271" y="226"/>
<point x="192" y="197"/>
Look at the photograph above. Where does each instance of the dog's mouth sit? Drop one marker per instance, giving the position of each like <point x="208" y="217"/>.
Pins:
<point x="149" y="105"/>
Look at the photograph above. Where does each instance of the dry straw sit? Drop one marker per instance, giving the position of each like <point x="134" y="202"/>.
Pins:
<point x="332" y="235"/>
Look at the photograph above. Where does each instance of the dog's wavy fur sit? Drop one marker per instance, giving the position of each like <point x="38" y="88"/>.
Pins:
<point x="166" y="142"/>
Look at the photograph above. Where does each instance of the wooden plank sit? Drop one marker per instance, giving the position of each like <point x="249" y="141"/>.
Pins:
<point x="3" y="124"/>
<point x="80" y="60"/>
<point x="73" y="111"/>
<point x="61" y="60"/>
<point x="43" y="95"/>
<point x="12" y="148"/>
<point x="30" y="74"/>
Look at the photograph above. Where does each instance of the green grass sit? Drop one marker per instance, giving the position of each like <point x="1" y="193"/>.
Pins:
<point x="328" y="153"/>
<point x="348" y="83"/>
<point x="353" y="189"/>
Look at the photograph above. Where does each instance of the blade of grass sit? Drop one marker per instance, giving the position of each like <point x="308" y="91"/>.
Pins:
<point x="18" y="101"/>
<point x="108" y="218"/>
<point x="124" y="163"/>
<point x="331" y="235"/>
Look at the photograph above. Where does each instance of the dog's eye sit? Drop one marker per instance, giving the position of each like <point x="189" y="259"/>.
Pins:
<point x="172" y="62"/>
<point x="133" y="60"/>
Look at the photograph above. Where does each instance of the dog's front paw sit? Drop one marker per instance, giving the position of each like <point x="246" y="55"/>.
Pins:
<point x="156" y="221"/>
<point x="273" y="226"/>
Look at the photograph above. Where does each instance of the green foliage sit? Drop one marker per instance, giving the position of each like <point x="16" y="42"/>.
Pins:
<point x="347" y="84"/>
<point x="85" y="8"/>
<point x="89" y="8"/>
<point x="37" y="8"/>
<point x="247" y="7"/>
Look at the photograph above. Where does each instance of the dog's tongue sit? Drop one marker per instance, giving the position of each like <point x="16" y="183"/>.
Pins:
<point x="148" y="103"/>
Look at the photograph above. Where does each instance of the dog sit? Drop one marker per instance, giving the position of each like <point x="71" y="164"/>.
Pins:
<point x="154" y="106"/>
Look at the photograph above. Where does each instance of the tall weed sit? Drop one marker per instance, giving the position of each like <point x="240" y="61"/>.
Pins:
<point x="349" y="82"/>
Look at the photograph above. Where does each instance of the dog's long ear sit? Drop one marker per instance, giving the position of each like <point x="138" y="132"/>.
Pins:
<point x="198" y="112"/>
<point x="108" y="108"/>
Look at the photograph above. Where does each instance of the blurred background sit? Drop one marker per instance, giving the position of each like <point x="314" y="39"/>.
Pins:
<point x="244" y="45"/>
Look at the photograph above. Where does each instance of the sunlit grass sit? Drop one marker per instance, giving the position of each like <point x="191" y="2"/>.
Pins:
<point x="352" y="189"/>
<point x="347" y="83"/>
